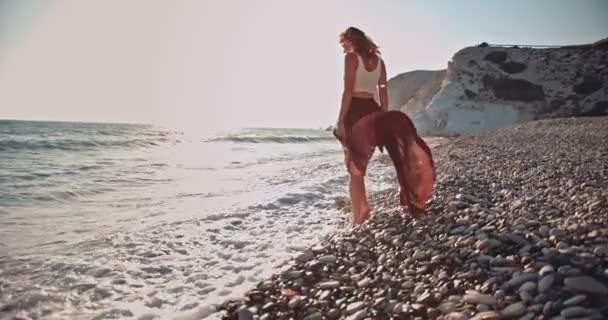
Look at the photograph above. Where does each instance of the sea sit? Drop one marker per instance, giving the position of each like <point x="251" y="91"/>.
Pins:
<point x="126" y="221"/>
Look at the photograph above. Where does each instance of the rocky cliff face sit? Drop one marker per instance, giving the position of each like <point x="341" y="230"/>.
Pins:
<point x="412" y="91"/>
<point x="489" y="87"/>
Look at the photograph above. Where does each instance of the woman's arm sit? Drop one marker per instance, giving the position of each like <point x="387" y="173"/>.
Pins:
<point x="382" y="89"/>
<point x="350" y="67"/>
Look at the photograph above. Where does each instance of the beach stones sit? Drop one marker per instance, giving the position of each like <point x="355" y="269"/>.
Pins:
<point x="359" y="315"/>
<point x="333" y="313"/>
<point x="504" y="238"/>
<point x="575" y="300"/>
<point x="329" y="285"/>
<point x="364" y="283"/>
<point x="574" y="312"/>
<point x="328" y="259"/>
<point x="294" y="302"/>
<point x="479" y="299"/>
<point x="354" y="307"/>
<point x="305" y="256"/>
<point x="545" y="270"/>
<point x="545" y="283"/>
<point x="558" y="233"/>
<point x="516" y="281"/>
<point x="513" y="311"/>
<point x="586" y="284"/>
<point x="314" y="316"/>
<point x="456" y="316"/>
<point x="488" y="244"/>
<point x="487" y="315"/>
<point x="457" y="230"/>
<point x="419" y="255"/>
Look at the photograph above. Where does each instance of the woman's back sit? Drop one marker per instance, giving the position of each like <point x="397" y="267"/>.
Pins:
<point x="367" y="74"/>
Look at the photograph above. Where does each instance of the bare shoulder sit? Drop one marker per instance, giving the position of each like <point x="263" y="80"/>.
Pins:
<point x="350" y="55"/>
<point x="351" y="58"/>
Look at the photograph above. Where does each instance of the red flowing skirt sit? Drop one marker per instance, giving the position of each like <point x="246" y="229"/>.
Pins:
<point x="368" y="127"/>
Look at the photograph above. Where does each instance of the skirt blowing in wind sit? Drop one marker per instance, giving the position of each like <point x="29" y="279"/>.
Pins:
<point x="394" y="131"/>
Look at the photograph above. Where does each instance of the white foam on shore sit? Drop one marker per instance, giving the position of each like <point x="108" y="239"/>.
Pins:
<point x="178" y="270"/>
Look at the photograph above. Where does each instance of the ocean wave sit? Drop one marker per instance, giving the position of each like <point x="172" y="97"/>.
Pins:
<point x="76" y="145"/>
<point x="271" y="139"/>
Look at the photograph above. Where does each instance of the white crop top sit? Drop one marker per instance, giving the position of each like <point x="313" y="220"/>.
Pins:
<point x="367" y="81"/>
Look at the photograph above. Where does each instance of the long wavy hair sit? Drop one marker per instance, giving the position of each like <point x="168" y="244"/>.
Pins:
<point x="362" y="43"/>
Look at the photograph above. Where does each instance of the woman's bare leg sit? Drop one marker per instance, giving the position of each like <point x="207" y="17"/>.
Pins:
<point x="358" y="198"/>
<point x="358" y="195"/>
<point x="354" y="203"/>
<point x="352" y="187"/>
<point x="365" y="212"/>
<point x="356" y="188"/>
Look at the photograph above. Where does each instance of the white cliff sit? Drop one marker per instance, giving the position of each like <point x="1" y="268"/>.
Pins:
<point x="411" y="92"/>
<point x="489" y="87"/>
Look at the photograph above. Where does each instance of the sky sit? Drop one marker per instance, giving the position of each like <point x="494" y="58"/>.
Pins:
<point x="215" y="64"/>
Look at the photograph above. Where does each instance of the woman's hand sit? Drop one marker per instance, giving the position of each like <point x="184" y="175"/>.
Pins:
<point x="340" y="130"/>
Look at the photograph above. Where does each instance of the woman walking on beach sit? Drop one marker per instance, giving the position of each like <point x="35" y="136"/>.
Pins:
<point x="364" y="124"/>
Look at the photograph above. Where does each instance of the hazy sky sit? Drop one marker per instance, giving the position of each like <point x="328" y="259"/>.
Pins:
<point x="226" y="63"/>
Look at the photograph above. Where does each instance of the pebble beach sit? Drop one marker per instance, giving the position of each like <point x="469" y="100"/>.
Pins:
<point x="517" y="229"/>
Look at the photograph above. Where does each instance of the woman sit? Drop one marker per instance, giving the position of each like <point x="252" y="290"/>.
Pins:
<point x="364" y="124"/>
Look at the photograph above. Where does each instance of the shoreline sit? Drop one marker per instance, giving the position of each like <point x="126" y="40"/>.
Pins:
<point x="517" y="228"/>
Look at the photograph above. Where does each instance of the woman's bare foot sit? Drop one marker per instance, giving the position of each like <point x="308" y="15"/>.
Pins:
<point x="364" y="215"/>
<point x="356" y="217"/>
<point x="360" y="217"/>
<point x="415" y="212"/>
